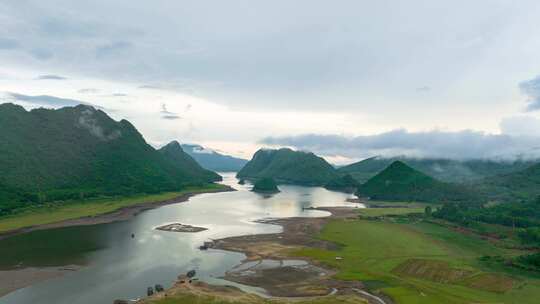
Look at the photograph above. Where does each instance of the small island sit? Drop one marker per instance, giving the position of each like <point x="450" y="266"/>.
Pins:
<point x="177" y="227"/>
<point x="265" y="185"/>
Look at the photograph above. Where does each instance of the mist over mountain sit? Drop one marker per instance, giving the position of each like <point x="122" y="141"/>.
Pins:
<point x="447" y="170"/>
<point x="213" y="160"/>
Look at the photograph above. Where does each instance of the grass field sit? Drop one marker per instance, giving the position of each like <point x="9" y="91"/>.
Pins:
<point x="421" y="262"/>
<point x="374" y="212"/>
<point x="58" y="212"/>
<point x="197" y="299"/>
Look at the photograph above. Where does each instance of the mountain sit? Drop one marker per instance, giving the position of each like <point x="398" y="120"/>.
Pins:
<point x="212" y="160"/>
<point x="184" y="162"/>
<point x="345" y="183"/>
<point x="399" y="182"/>
<point x="515" y="186"/>
<point x="288" y="166"/>
<point x="447" y="170"/>
<point x="79" y="152"/>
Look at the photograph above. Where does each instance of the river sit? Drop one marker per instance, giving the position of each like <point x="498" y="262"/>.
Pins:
<point x="118" y="266"/>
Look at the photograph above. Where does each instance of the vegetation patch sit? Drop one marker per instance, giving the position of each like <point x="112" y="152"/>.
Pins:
<point x="62" y="211"/>
<point x="422" y="262"/>
<point x="490" y="282"/>
<point x="433" y="270"/>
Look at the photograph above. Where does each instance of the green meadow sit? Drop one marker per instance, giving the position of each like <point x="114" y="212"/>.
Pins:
<point x="200" y="299"/>
<point x="422" y="262"/>
<point x="57" y="212"/>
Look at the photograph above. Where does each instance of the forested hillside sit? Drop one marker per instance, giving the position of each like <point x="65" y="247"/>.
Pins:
<point x="79" y="152"/>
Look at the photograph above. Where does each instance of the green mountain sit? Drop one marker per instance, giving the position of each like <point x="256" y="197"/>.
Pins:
<point x="183" y="161"/>
<point x="515" y="186"/>
<point x="213" y="160"/>
<point x="288" y="166"/>
<point x="447" y="170"/>
<point x="265" y="185"/>
<point x="79" y="152"/>
<point x="345" y="183"/>
<point x="399" y="182"/>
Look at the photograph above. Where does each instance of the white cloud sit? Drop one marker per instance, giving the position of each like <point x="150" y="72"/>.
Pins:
<point x="465" y="144"/>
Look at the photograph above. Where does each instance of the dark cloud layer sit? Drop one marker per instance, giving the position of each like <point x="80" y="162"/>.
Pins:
<point x="455" y="145"/>
<point x="327" y="57"/>
<point x="51" y="77"/>
<point x="165" y="114"/>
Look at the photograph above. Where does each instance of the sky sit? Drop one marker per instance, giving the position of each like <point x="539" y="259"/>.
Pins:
<point x="344" y="79"/>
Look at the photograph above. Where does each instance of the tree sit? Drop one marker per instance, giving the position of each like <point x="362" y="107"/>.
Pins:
<point x="427" y="211"/>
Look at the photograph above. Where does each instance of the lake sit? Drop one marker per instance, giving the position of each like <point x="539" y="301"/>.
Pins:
<point x="118" y="266"/>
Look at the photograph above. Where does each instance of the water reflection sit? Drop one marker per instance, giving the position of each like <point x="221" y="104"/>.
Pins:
<point x="120" y="266"/>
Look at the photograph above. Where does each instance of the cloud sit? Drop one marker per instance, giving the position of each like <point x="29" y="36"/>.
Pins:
<point x="340" y="57"/>
<point x="8" y="44"/>
<point x="89" y="122"/>
<point x="50" y="77"/>
<point x="521" y="126"/>
<point x="88" y="91"/>
<point x="165" y="114"/>
<point x="423" y="89"/>
<point x="41" y="54"/>
<point x="149" y="87"/>
<point x="112" y="48"/>
<point x="531" y="88"/>
<point x="465" y="144"/>
<point x="49" y="101"/>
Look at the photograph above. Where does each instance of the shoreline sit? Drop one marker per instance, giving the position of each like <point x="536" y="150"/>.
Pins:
<point x="121" y="214"/>
<point x="285" y="281"/>
<point x="14" y="279"/>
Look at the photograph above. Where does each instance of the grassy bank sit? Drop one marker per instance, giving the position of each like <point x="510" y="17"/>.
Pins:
<point x="421" y="262"/>
<point x="197" y="298"/>
<point x="58" y="212"/>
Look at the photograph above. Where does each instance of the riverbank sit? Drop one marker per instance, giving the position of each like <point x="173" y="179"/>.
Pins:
<point x="269" y="265"/>
<point x="285" y="280"/>
<point x="381" y="255"/>
<point x="16" y="278"/>
<point x="94" y="212"/>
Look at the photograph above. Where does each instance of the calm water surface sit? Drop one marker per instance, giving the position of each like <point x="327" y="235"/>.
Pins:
<point x="119" y="266"/>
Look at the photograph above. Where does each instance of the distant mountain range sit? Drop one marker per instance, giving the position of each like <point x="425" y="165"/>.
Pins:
<point x="288" y="166"/>
<point x="213" y="160"/>
<point x="79" y="152"/>
<point x="399" y="182"/>
<point x="443" y="169"/>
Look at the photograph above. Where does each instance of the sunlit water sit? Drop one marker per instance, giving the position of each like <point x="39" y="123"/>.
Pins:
<point x="122" y="267"/>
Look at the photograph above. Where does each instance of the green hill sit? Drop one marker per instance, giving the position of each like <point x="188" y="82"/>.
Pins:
<point x="265" y="185"/>
<point x="447" y="170"/>
<point x="183" y="161"/>
<point x="345" y="183"/>
<point x="213" y="160"/>
<point x="78" y="152"/>
<point x="288" y="166"/>
<point x="399" y="182"/>
<point x="516" y="186"/>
